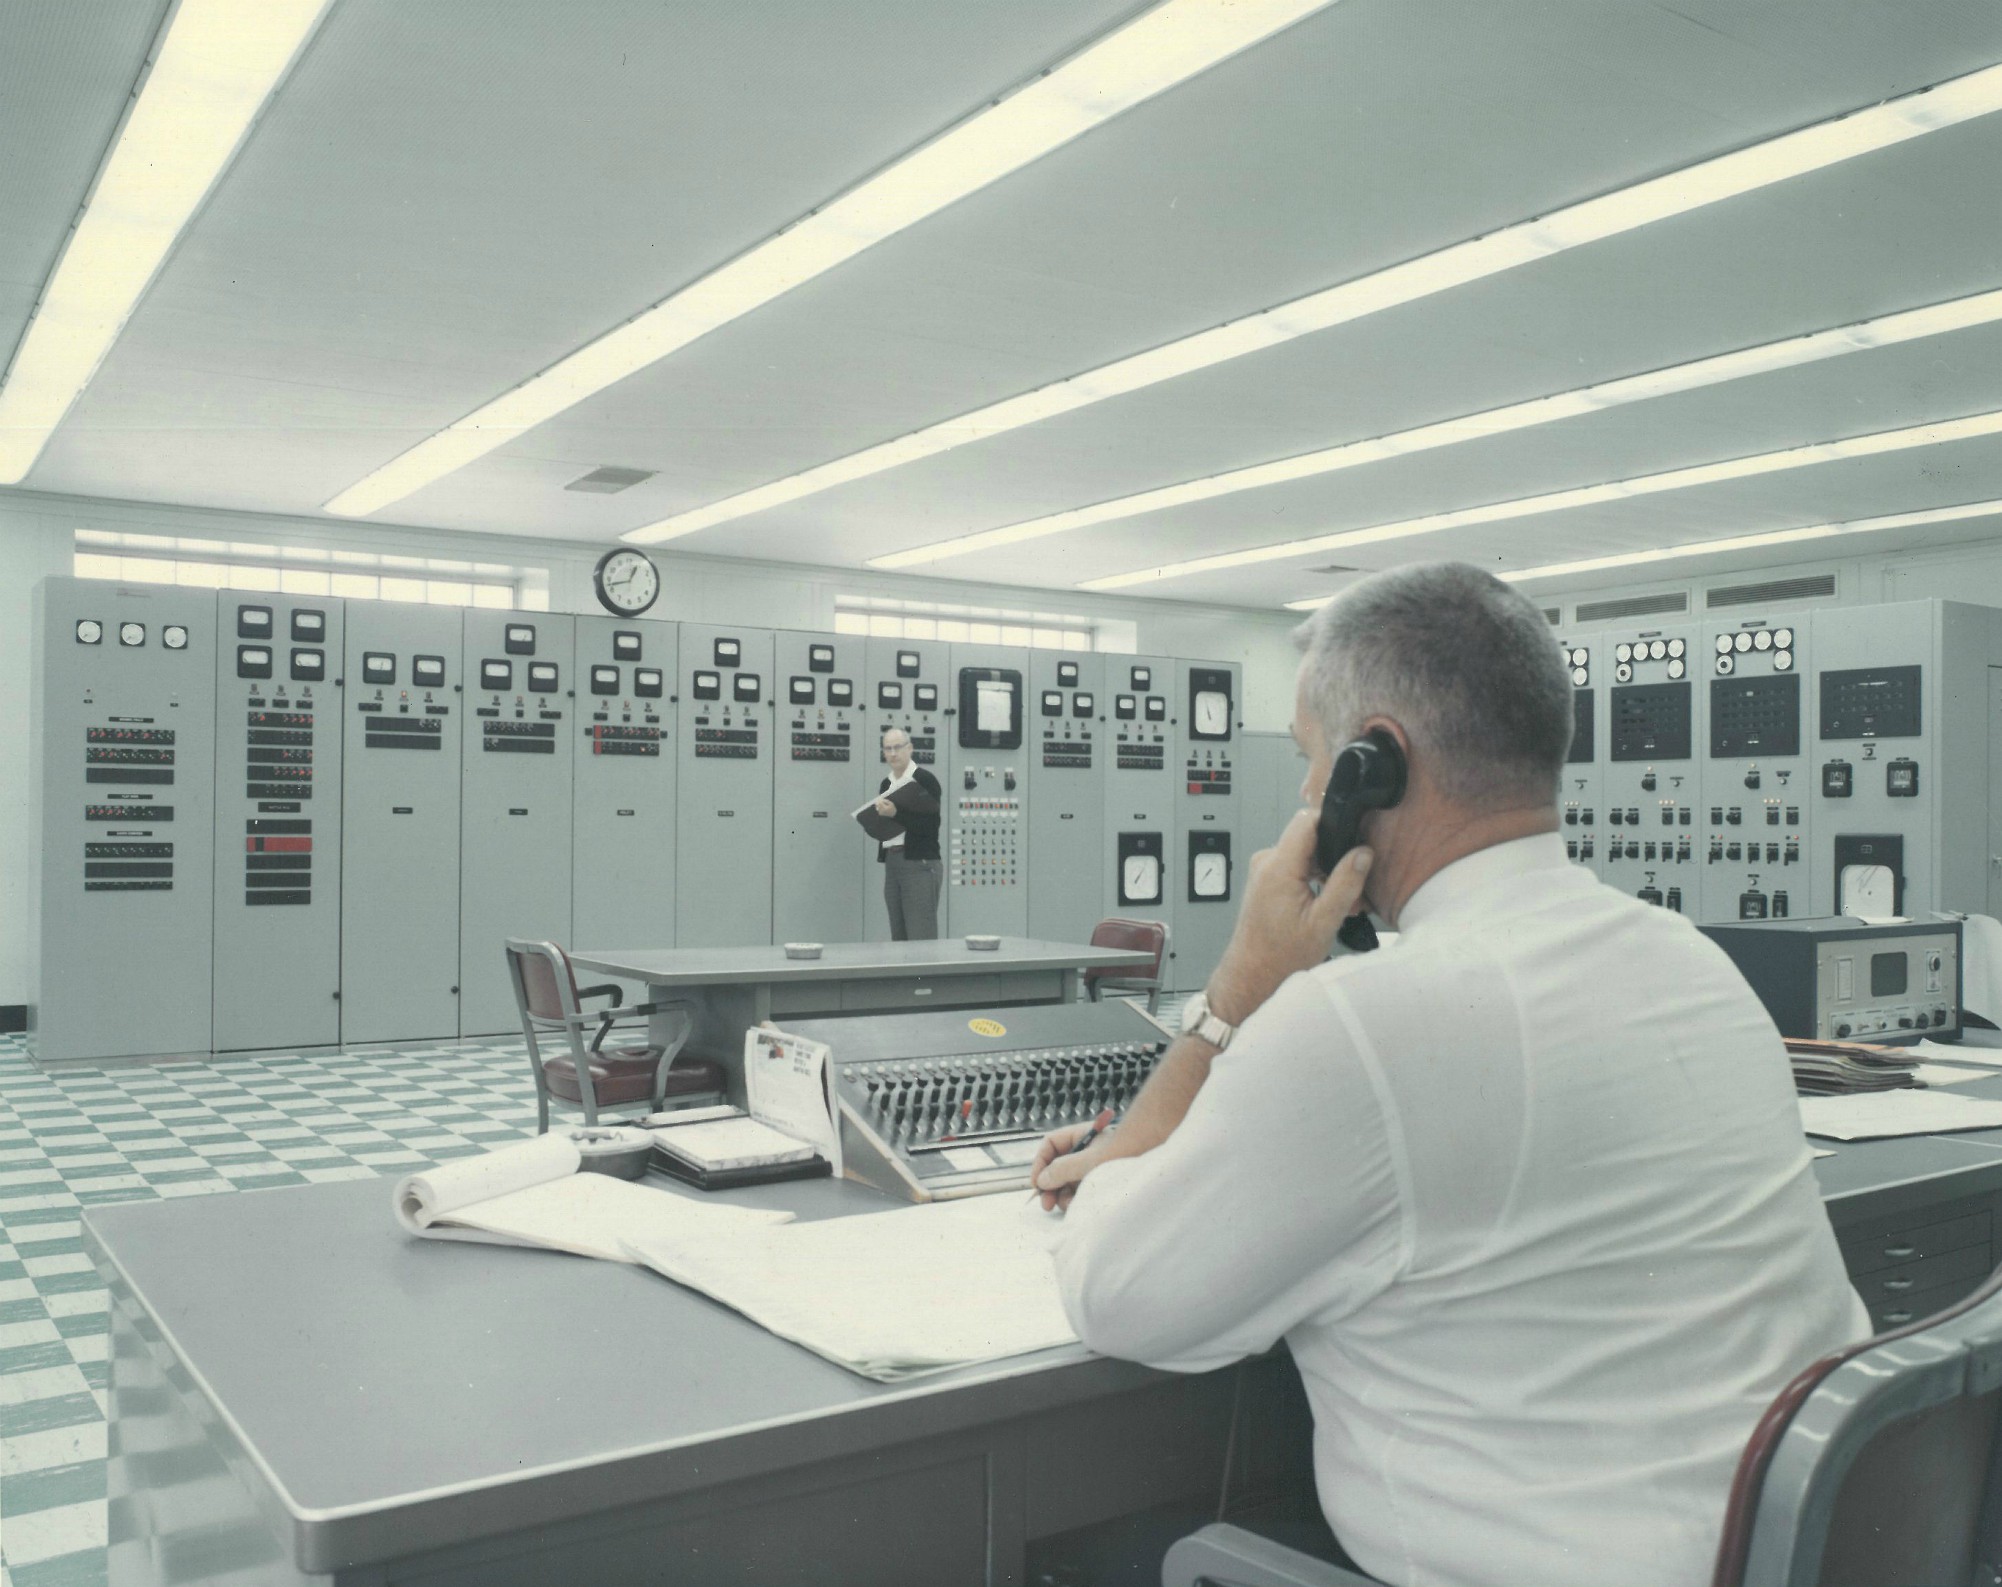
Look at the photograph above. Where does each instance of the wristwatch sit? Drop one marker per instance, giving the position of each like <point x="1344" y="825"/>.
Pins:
<point x="1197" y="1020"/>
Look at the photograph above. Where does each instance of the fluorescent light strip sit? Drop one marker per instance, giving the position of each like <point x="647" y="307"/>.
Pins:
<point x="1711" y="548"/>
<point x="1155" y="52"/>
<point x="1981" y="309"/>
<point x="1775" y="160"/>
<point x="1932" y="434"/>
<point x="213" y="72"/>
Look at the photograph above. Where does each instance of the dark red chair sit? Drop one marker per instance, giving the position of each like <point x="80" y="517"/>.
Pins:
<point x="1144" y="936"/>
<point x="551" y="1005"/>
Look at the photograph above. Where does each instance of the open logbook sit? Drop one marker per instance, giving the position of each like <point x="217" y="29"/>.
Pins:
<point x="886" y="1294"/>
<point x="531" y="1193"/>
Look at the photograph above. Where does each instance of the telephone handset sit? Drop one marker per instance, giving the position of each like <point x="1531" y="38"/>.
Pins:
<point x="1368" y="774"/>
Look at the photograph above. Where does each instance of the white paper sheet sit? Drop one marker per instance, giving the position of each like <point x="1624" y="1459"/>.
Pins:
<point x="1949" y="1075"/>
<point x="1965" y="1053"/>
<point x="889" y="1294"/>
<point x="994" y="705"/>
<point x="733" y="1143"/>
<point x="422" y="1199"/>
<point x="788" y="1082"/>
<point x="1981" y="966"/>
<point x="1868" y="892"/>
<point x="1878" y="1115"/>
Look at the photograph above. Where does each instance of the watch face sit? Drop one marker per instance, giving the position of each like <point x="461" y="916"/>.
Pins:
<point x="627" y="581"/>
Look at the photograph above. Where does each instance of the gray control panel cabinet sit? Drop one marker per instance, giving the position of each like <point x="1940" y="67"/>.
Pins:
<point x="124" y="746"/>
<point x="984" y="822"/>
<point x="1138" y="862"/>
<point x="1210" y="870"/>
<point x="515" y="802"/>
<point x="723" y="865"/>
<point x="623" y="846"/>
<point x="906" y="683"/>
<point x="1067" y="712"/>
<point x="1270" y="770"/>
<point x="1754" y="811"/>
<point x="820" y="739"/>
<point x="1906" y="752"/>
<point x="400" y="757"/>
<point x="277" y="821"/>
<point x="1588" y="661"/>
<point x="1649" y="747"/>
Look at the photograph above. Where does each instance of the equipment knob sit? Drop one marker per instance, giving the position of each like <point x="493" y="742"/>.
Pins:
<point x="1841" y="1031"/>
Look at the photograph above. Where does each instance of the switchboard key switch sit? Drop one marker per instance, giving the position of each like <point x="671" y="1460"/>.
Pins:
<point x="1647" y="781"/>
<point x="1752" y="777"/>
<point x="1716" y="850"/>
<point x="1779" y="905"/>
<point x="1585" y="848"/>
<point x="1772" y="853"/>
<point x="1793" y="815"/>
<point x="1668" y="813"/>
<point x="1837" y="779"/>
<point x="1735" y="816"/>
<point x="1633" y="816"/>
<point x="1682" y="850"/>
<point x="1733" y="851"/>
<point x="1791" y="853"/>
<point x="1772" y="813"/>
<point x="1585" y="816"/>
<point x="1685" y="814"/>
<point x="1716" y="815"/>
<point x="1673" y="900"/>
<point x="1616" y="816"/>
<point x="1571" y="816"/>
<point x="1571" y="847"/>
<point x="1647" y="850"/>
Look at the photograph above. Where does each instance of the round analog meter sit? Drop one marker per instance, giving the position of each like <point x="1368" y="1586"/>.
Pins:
<point x="1579" y="676"/>
<point x="1783" y="638"/>
<point x="1763" y="639"/>
<point x="1623" y="652"/>
<point x="1782" y="661"/>
<point x="1676" y="668"/>
<point x="1741" y="642"/>
<point x="174" y="637"/>
<point x="1675" y="648"/>
<point x="1723" y="644"/>
<point x="132" y="633"/>
<point x="89" y="631"/>
<point x="1657" y="650"/>
<point x="1726" y="665"/>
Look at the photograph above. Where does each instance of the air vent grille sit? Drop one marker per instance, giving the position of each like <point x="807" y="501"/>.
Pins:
<point x="1553" y="615"/>
<point x="610" y="481"/>
<point x="1773" y="590"/>
<point x="1634" y="606"/>
<point x="1336" y="567"/>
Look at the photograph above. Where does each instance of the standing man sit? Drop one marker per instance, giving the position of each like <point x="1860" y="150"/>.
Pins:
<point x="912" y="869"/>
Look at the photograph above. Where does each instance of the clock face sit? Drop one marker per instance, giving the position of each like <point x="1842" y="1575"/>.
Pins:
<point x="1141" y="882"/>
<point x="1212" y="713"/>
<point x="1212" y="876"/>
<point x="627" y="581"/>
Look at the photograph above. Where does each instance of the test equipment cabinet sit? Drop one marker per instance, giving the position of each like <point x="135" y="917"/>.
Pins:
<point x="1647" y="842"/>
<point x="1139" y="838"/>
<point x="723" y="851"/>
<point x="1752" y="808"/>
<point x="984" y="833"/>
<point x="1205" y="718"/>
<point x="623" y="777"/>
<point x="816" y="887"/>
<point x="515" y="798"/>
<point x="1907" y="754"/>
<point x="123" y="726"/>
<point x="905" y="684"/>
<point x="1068" y="744"/>
<point x="1579" y="803"/>
<point x="399" y="811"/>
<point x="277" y="821"/>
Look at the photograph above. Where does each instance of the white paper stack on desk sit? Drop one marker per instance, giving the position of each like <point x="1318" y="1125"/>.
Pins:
<point x="888" y="1294"/>
<point x="1838" y="1068"/>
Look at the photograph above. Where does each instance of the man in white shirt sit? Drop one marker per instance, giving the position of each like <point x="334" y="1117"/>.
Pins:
<point x="1525" y="1192"/>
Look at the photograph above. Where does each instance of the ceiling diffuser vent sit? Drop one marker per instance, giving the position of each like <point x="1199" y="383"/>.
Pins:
<point x="1773" y="590"/>
<point x="610" y="481"/>
<point x="1335" y="567"/>
<point x="1633" y="606"/>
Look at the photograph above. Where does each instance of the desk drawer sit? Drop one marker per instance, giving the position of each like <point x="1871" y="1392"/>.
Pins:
<point x="1893" y="1287"/>
<point x="1888" y="1313"/>
<point x="1031" y="986"/>
<point x="1876" y="1247"/>
<point x="806" y="997"/>
<point x="941" y="991"/>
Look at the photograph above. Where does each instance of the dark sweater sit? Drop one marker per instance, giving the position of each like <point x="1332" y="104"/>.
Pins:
<point x="919" y="816"/>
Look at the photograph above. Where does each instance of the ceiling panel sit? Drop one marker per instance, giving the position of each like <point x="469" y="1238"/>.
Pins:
<point x="66" y="72"/>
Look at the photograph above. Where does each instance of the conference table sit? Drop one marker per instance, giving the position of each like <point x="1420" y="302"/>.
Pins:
<point x="301" y="1393"/>
<point x="731" y="989"/>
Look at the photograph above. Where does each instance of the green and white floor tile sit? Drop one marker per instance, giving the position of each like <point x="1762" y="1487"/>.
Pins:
<point x="141" y="1132"/>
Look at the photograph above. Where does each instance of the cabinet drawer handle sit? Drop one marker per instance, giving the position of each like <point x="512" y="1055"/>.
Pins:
<point x="1898" y="1252"/>
<point x="1897" y="1317"/>
<point x="1898" y="1283"/>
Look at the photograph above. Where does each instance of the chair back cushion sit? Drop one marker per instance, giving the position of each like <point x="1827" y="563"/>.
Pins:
<point x="545" y="975"/>
<point x="1143" y="936"/>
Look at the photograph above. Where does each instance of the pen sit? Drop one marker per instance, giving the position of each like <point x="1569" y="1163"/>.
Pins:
<point x="1099" y="1126"/>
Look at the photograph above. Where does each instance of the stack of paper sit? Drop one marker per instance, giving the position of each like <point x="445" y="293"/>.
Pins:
<point x="887" y="1294"/>
<point x="1838" y="1068"/>
<point x="1871" y="1118"/>
<point x="738" y="1142"/>
<point x="531" y="1193"/>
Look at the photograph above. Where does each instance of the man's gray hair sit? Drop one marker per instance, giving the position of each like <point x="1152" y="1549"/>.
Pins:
<point x="1464" y="664"/>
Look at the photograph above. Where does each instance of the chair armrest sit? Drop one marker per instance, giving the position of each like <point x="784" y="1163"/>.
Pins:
<point x="1229" y="1556"/>
<point x="616" y="993"/>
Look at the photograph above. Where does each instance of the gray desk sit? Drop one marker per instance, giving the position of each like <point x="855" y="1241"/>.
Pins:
<point x="735" y="988"/>
<point x="302" y="1394"/>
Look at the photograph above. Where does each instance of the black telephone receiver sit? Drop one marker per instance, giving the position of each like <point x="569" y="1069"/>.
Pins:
<point x="1368" y="774"/>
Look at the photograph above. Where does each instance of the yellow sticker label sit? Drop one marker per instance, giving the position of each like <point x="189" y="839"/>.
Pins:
<point x="987" y="1027"/>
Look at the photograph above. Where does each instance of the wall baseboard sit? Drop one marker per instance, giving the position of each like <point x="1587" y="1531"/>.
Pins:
<point x="13" y="1017"/>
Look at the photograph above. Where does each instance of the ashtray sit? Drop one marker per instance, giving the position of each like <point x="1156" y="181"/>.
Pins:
<point x="983" y="944"/>
<point x="617" y="1149"/>
<point x="802" y="950"/>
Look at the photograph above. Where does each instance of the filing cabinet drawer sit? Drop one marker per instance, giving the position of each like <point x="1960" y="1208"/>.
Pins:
<point x="1894" y="1312"/>
<point x="1893" y="1286"/>
<point x="946" y="991"/>
<point x="1872" y="1247"/>
<point x="806" y="997"/>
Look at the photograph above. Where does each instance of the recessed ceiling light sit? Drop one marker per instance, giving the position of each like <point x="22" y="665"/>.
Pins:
<point x="1726" y="176"/>
<point x="1958" y="314"/>
<point x="1151" y="54"/>
<point x="1934" y="433"/>
<point x="212" y="73"/>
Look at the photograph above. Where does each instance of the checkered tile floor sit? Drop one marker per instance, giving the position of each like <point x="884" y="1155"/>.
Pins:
<point x="136" y="1133"/>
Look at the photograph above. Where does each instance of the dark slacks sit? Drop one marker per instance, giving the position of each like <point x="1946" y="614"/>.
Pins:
<point x="910" y="892"/>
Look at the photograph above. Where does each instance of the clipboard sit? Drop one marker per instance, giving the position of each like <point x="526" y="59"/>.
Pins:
<point x="879" y="826"/>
